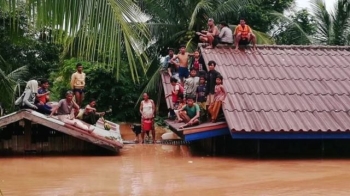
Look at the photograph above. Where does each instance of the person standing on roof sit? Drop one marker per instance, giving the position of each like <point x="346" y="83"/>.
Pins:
<point x="211" y="82"/>
<point x="78" y="84"/>
<point x="171" y="66"/>
<point x="191" y="84"/>
<point x="244" y="35"/>
<point x="182" y="63"/>
<point x="226" y="36"/>
<point x="219" y="98"/>
<point x="198" y="63"/>
<point x="211" y="36"/>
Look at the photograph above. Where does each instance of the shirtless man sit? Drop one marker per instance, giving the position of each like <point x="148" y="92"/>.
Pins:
<point x="244" y="35"/>
<point x="211" y="36"/>
<point x="182" y="63"/>
<point x="78" y="84"/>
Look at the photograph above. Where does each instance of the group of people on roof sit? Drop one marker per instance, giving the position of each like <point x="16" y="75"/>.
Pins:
<point x="67" y="110"/>
<point x="195" y="90"/>
<point x="243" y="34"/>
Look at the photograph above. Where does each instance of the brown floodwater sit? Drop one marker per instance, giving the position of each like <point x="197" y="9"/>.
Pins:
<point x="170" y="170"/>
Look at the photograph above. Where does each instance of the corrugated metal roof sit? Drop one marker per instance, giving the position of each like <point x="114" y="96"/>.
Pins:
<point x="285" y="88"/>
<point x="167" y="87"/>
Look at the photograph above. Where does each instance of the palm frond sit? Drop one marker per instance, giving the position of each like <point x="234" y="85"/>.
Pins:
<point x="341" y="21"/>
<point x="323" y="21"/>
<point x="205" y="5"/>
<point x="18" y="73"/>
<point x="284" y="19"/>
<point x="152" y="85"/>
<point x="228" y="6"/>
<point x="94" y="28"/>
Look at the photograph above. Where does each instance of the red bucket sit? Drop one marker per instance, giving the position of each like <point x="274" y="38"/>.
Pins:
<point x="147" y="125"/>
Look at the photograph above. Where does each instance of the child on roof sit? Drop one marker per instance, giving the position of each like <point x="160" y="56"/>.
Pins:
<point x="219" y="97"/>
<point x="200" y="96"/>
<point x="43" y="97"/>
<point x="191" y="83"/>
<point x="182" y="103"/>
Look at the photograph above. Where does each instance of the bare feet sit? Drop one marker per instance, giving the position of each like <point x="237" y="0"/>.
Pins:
<point x="209" y="47"/>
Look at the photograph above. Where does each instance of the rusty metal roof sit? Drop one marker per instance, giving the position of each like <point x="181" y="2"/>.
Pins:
<point x="285" y="88"/>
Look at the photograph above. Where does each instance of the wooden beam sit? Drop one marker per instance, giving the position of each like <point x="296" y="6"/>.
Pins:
<point x="11" y="118"/>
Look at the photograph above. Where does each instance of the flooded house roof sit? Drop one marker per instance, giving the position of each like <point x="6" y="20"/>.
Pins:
<point x="285" y="88"/>
<point x="110" y="140"/>
<point x="204" y="130"/>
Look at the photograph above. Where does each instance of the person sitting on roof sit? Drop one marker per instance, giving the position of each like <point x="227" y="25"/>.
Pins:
<point x="211" y="36"/>
<point x="27" y="99"/>
<point x="226" y="36"/>
<point x="43" y="97"/>
<point x="171" y="66"/>
<point x="64" y="112"/>
<point x="182" y="103"/>
<point x="90" y="114"/>
<point x="244" y="35"/>
<point x="190" y="113"/>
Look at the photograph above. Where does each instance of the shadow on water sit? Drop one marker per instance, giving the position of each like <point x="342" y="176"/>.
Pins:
<point x="272" y="149"/>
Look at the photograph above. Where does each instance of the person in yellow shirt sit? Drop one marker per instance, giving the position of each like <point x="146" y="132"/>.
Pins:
<point x="77" y="84"/>
<point x="244" y="35"/>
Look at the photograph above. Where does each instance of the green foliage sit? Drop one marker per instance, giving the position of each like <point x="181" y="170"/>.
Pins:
<point x="173" y="24"/>
<point x="258" y="14"/>
<point x="160" y="121"/>
<point x="332" y="27"/>
<point x="23" y="55"/>
<point x="90" y="29"/>
<point x="289" y="33"/>
<point x="102" y="85"/>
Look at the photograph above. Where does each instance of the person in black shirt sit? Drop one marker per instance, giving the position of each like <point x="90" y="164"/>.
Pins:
<point x="211" y="82"/>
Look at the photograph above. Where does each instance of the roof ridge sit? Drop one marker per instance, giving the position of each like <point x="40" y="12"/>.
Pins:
<point x="289" y="110"/>
<point x="275" y="65"/>
<point x="270" y="93"/>
<point x="302" y="79"/>
<point x="267" y="46"/>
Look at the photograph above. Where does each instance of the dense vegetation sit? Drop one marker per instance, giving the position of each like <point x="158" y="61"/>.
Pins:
<point x="120" y="42"/>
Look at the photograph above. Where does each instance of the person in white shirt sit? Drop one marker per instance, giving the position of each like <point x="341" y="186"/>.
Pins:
<point x="147" y="110"/>
<point x="226" y="36"/>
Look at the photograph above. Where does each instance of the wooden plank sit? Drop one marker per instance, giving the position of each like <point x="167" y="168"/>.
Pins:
<point x="11" y="118"/>
<point x="207" y="126"/>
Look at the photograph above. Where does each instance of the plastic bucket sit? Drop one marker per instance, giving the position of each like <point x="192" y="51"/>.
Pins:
<point x="147" y="125"/>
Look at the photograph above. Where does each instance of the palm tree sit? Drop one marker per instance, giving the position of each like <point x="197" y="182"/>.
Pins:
<point x="104" y="30"/>
<point x="10" y="80"/>
<point x="332" y="27"/>
<point x="176" y="23"/>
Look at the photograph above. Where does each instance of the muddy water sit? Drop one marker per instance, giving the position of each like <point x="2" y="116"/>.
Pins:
<point x="170" y="170"/>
